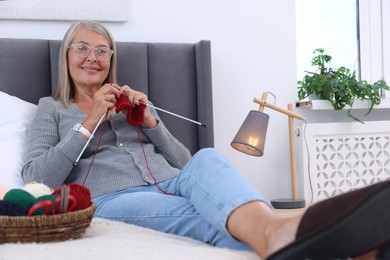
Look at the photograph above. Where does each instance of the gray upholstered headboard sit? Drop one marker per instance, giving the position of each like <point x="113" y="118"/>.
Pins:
<point x="175" y="76"/>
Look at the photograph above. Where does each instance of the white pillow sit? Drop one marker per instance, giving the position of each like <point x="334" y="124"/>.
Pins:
<point x="16" y="116"/>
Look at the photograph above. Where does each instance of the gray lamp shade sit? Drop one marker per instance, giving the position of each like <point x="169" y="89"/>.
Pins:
<point x="250" y="139"/>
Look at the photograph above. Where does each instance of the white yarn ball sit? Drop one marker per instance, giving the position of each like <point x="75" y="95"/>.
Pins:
<point x="37" y="189"/>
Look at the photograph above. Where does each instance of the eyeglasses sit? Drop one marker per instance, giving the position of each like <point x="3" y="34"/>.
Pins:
<point x="83" y="50"/>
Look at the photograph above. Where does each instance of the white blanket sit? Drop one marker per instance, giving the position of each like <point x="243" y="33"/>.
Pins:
<point x="115" y="240"/>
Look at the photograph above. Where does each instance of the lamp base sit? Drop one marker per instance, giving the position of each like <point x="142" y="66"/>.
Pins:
<point x="288" y="203"/>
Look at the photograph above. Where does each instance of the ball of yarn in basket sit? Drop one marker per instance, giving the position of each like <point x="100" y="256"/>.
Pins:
<point x="20" y="197"/>
<point x="26" y="200"/>
<point x="10" y="209"/>
<point x="80" y="193"/>
<point x="37" y="189"/>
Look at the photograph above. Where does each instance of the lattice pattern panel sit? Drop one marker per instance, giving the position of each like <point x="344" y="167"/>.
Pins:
<point x="347" y="163"/>
<point x="343" y="162"/>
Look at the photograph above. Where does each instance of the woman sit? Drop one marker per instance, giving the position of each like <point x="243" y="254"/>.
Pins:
<point x="141" y="175"/>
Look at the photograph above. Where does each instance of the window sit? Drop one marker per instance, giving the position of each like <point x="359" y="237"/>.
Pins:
<point x="356" y="33"/>
<point x="374" y="40"/>
<point x="327" y="24"/>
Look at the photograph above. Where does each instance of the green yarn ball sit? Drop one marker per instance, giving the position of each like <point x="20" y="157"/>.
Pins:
<point x="20" y="197"/>
<point x="26" y="200"/>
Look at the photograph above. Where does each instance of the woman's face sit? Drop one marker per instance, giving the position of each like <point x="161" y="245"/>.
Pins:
<point x="88" y="71"/>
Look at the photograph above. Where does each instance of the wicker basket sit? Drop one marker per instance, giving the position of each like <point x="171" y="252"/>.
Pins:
<point x="46" y="228"/>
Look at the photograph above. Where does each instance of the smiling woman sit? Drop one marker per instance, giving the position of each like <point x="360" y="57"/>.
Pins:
<point x="114" y="11"/>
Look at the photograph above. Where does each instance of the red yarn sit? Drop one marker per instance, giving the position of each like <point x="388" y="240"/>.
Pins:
<point x="80" y="193"/>
<point x="135" y="114"/>
<point x="123" y="102"/>
<point x="97" y="146"/>
<point x="147" y="166"/>
<point x="135" y="117"/>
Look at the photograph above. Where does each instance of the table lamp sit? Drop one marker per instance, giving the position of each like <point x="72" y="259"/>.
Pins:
<point x="250" y="139"/>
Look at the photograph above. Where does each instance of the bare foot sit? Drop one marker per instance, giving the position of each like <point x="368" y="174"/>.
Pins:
<point x="280" y="233"/>
<point x="257" y="225"/>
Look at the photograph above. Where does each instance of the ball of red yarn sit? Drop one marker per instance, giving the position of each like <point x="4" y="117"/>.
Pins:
<point x="10" y="209"/>
<point x="80" y="193"/>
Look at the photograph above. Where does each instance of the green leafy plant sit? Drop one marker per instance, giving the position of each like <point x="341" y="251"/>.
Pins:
<point x="339" y="86"/>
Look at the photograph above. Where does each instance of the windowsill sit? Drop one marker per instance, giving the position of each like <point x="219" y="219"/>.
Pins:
<point x="326" y="105"/>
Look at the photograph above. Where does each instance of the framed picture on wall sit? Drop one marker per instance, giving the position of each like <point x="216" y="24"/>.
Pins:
<point x="65" y="10"/>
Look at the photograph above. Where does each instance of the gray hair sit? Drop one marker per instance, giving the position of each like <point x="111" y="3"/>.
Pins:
<point x="65" y="91"/>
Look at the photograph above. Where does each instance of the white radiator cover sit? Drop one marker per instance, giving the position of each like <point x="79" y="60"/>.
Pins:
<point x="340" y="157"/>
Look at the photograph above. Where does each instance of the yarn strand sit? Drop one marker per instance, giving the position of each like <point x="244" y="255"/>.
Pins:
<point x="97" y="147"/>
<point x="147" y="165"/>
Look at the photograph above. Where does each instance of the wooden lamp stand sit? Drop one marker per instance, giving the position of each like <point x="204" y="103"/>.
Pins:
<point x="294" y="202"/>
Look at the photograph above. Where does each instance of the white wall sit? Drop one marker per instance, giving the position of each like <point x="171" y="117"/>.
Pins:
<point x="253" y="50"/>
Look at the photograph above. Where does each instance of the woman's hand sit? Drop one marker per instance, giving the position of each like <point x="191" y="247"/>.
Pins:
<point x="104" y="100"/>
<point x="137" y="98"/>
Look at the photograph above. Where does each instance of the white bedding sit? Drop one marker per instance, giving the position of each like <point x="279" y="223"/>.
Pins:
<point x="115" y="240"/>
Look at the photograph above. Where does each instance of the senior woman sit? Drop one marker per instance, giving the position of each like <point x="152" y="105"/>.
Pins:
<point x="151" y="180"/>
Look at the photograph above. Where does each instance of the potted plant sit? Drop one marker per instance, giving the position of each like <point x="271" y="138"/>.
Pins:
<point x="339" y="86"/>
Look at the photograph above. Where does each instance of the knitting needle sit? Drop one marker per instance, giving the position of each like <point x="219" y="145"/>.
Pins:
<point x="157" y="108"/>
<point x="89" y="139"/>
<point x="173" y="114"/>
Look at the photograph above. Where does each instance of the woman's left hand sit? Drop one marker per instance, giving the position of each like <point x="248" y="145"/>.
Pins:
<point x="137" y="98"/>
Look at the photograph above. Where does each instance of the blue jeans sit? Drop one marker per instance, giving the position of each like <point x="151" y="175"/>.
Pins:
<point x="206" y="192"/>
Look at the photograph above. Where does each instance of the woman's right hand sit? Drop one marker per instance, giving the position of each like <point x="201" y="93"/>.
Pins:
<point x="104" y="100"/>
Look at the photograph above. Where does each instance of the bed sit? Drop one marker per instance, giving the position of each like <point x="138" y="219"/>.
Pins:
<point x="175" y="76"/>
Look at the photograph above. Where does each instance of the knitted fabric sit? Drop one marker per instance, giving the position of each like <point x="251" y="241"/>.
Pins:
<point x="135" y="114"/>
